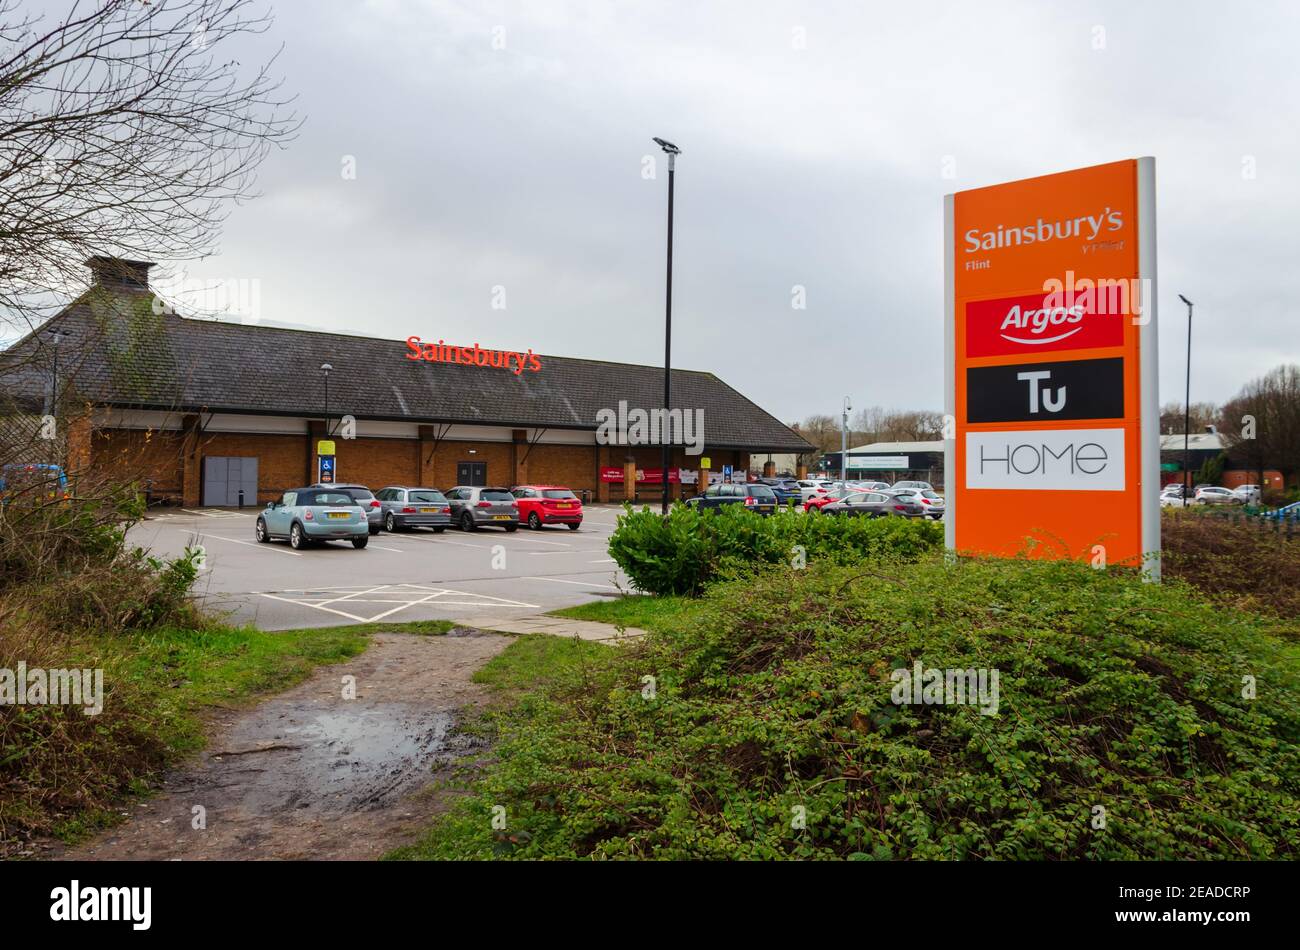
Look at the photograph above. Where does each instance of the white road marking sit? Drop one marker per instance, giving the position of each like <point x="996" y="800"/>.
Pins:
<point x="421" y="596"/>
<point x="254" y="544"/>
<point x="608" y="560"/>
<point x="557" y="580"/>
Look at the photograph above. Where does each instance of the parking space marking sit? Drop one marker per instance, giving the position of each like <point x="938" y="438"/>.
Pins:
<point x="608" y="560"/>
<point x="199" y="535"/>
<point x="395" y="597"/>
<point x="560" y="580"/>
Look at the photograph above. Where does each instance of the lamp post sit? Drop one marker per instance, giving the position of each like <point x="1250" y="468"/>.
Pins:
<point x="56" y="337"/>
<point x="672" y="151"/>
<point x="325" y="368"/>
<point x="844" y="440"/>
<point x="1187" y="411"/>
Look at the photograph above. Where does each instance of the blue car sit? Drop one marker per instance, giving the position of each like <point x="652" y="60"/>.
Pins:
<point x="307" y="515"/>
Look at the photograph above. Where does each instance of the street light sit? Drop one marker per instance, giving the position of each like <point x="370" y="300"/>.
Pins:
<point x="56" y="337"/>
<point x="844" y="440"/>
<point x="325" y="368"/>
<point x="672" y="151"/>
<point x="1187" y="411"/>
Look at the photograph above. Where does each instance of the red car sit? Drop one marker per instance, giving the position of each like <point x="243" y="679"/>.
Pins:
<point x="547" y="504"/>
<point x="818" y="502"/>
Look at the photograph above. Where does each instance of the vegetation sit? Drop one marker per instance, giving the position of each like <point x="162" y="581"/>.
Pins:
<point x="1234" y="558"/>
<point x="689" y="549"/>
<point x="1124" y="727"/>
<point x="635" y="610"/>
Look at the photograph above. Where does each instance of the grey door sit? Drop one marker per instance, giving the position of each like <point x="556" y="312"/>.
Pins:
<point x="471" y="473"/>
<point x="225" y="476"/>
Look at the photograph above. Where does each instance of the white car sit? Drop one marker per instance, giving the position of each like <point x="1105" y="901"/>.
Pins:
<point x="932" y="502"/>
<point x="1171" y="499"/>
<point x="812" y="486"/>
<point x="1215" y="496"/>
<point x="913" y="486"/>
<point x="1249" y="494"/>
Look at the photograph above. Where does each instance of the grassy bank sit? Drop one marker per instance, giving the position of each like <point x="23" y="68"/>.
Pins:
<point x="1124" y="726"/>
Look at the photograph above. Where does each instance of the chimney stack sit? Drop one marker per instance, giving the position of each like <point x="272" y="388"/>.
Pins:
<point x="116" y="273"/>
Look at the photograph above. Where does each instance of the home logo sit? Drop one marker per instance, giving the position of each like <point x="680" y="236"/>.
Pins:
<point x="1046" y="459"/>
<point x="1032" y="324"/>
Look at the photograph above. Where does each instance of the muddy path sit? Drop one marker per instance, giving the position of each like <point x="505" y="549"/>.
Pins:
<point x="311" y="775"/>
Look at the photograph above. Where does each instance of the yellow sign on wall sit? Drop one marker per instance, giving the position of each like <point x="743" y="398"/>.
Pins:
<point x="325" y="447"/>
<point x="705" y="462"/>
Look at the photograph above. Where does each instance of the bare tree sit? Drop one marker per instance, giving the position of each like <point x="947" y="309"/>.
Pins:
<point x="1260" y="427"/>
<point x="127" y="128"/>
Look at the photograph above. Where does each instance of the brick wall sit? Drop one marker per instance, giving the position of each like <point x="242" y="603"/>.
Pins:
<point x="139" y="454"/>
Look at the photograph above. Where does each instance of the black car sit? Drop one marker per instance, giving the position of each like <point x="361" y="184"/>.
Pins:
<point x="874" y="504"/>
<point x="754" y="496"/>
<point x="785" y="489"/>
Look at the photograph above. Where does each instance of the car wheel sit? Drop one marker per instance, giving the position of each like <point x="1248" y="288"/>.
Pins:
<point x="574" y="527"/>
<point x="297" y="540"/>
<point x="512" y="528"/>
<point x="361" y="542"/>
<point x="260" y="532"/>
<point x="534" y="522"/>
<point x="373" y="532"/>
<point x="467" y="522"/>
<point x="390" y="523"/>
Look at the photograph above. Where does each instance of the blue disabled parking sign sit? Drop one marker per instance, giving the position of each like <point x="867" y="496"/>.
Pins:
<point x="726" y="474"/>
<point x="326" y="470"/>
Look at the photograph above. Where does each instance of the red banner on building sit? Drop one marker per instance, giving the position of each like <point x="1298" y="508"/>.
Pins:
<point x="610" y="473"/>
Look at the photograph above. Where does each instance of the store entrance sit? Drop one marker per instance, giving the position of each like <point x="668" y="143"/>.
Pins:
<point x="471" y="473"/>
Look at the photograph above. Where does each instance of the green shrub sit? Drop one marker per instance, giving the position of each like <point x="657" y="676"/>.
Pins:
<point x="688" y="549"/>
<point x="1121" y="730"/>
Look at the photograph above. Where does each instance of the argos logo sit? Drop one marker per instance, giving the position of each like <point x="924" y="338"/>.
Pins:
<point x="1029" y="324"/>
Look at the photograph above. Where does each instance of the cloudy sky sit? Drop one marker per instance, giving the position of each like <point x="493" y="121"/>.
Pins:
<point x="503" y="145"/>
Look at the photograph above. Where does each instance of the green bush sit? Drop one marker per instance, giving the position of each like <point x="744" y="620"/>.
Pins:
<point x="688" y="549"/>
<point x="1121" y="730"/>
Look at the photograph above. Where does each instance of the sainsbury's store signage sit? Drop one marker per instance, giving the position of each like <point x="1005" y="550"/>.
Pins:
<point x="444" y="352"/>
<point x="1050" y="364"/>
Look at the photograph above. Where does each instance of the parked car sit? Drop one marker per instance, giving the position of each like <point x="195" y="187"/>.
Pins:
<point x="932" y="502"/>
<point x="548" y="504"/>
<point x="755" y="497"/>
<point x="1289" y="512"/>
<point x="875" y="504"/>
<point x="1172" y="498"/>
<point x="32" y="483"/>
<point x="1213" y="495"/>
<point x="306" y="515"/>
<point x="364" y="497"/>
<point x="914" y="496"/>
<point x="786" y="490"/>
<point x="1248" y="494"/>
<point x="473" y="506"/>
<point x="817" y="502"/>
<point x="868" y="486"/>
<point x="403" y="508"/>
<point x="915" y="486"/>
<point x="813" y="486"/>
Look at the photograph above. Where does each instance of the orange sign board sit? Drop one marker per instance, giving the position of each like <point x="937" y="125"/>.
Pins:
<point x="1051" y="366"/>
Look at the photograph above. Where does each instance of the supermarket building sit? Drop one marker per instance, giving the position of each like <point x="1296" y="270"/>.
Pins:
<point x="201" y="411"/>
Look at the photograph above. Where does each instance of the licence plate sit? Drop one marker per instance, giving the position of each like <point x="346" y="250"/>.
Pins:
<point x="339" y="514"/>
<point x="501" y="517"/>
<point x="428" y="511"/>
<point x="563" y="506"/>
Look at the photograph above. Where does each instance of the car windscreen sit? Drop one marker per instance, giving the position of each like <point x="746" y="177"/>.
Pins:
<point x="327" y="498"/>
<point x="761" y="491"/>
<point x="558" y="493"/>
<point x="428" y="497"/>
<point x="930" y="494"/>
<point x="494" y="494"/>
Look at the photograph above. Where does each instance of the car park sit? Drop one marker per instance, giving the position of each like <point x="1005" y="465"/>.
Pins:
<point x="1248" y="494"/>
<point x="1213" y="495"/>
<point x="473" y="507"/>
<point x="311" y="514"/>
<point x="875" y="505"/>
<point x="754" y="497"/>
<point x="364" y="497"/>
<point x="403" y="508"/>
<point x="541" y="505"/>
<point x="812" y="486"/>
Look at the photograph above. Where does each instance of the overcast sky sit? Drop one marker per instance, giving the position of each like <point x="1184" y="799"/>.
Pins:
<point x="815" y="139"/>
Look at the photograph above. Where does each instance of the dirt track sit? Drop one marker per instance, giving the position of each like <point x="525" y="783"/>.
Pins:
<point x="311" y="775"/>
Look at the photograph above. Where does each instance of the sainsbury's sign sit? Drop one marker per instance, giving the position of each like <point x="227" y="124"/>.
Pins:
<point x="444" y="352"/>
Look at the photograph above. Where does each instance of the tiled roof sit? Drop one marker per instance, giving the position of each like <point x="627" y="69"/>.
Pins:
<point x="121" y="354"/>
